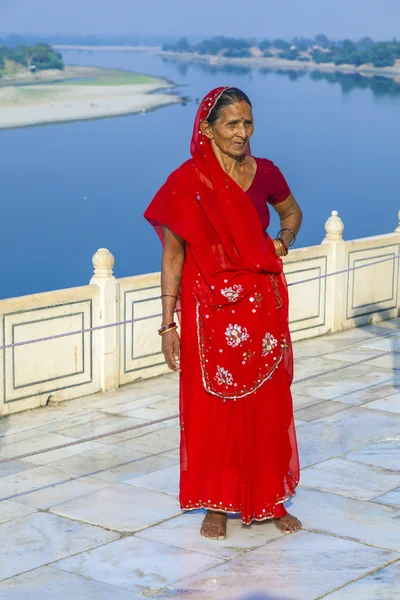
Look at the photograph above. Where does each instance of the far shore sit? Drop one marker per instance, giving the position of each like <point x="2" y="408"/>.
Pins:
<point x="80" y="93"/>
<point x="274" y="64"/>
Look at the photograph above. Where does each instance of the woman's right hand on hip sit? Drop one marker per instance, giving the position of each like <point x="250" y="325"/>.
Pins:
<point x="171" y="349"/>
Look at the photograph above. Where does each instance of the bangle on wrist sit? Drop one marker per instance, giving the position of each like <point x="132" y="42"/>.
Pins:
<point x="283" y="246"/>
<point x="166" y="328"/>
<point x="290" y="231"/>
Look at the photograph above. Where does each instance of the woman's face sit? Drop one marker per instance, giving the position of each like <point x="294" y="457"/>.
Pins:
<point x="232" y="130"/>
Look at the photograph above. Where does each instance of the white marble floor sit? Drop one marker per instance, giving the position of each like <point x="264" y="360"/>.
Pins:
<point x="101" y="520"/>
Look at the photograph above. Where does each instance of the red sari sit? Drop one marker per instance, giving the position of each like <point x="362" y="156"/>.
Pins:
<point x="238" y="442"/>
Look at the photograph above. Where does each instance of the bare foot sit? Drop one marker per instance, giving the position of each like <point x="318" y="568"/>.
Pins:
<point x="214" y="526"/>
<point x="288" y="524"/>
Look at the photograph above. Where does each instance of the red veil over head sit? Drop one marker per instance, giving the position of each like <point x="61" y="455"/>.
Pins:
<point x="240" y="291"/>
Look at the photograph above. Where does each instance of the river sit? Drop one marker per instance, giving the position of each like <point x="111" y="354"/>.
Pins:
<point x="68" y="189"/>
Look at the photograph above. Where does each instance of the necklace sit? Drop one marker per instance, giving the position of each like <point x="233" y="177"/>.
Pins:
<point x="244" y="174"/>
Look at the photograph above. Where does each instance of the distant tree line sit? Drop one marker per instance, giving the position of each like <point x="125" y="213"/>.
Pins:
<point x="319" y="49"/>
<point x="41" y="55"/>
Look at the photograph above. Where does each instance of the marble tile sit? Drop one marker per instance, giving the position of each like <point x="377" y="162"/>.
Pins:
<point x="389" y="403"/>
<point x="120" y="507"/>
<point x="70" y="420"/>
<point x="38" y="478"/>
<point x="137" y="564"/>
<point x="303" y="566"/>
<point x="165" y="480"/>
<point x="320" y="410"/>
<point x="344" y="432"/>
<point x="183" y="532"/>
<point x="390" y="362"/>
<point x="32" y="442"/>
<point x="104" y="424"/>
<point x="162" y="441"/>
<point x="122" y="408"/>
<point x="353" y="354"/>
<point x="367" y="522"/>
<point x="384" y="344"/>
<point x="11" y="510"/>
<point x="305" y="367"/>
<point x="390" y="499"/>
<point x="158" y="410"/>
<point x="14" y="466"/>
<point x="55" y="455"/>
<point x="114" y="464"/>
<point x="40" y="538"/>
<point x="135" y="433"/>
<point x="379" y="585"/>
<point x="54" y="494"/>
<point x="300" y="401"/>
<point x="385" y="454"/>
<point x="344" y="385"/>
<point x="47" y="583"/>
<point x="350" y="478"/>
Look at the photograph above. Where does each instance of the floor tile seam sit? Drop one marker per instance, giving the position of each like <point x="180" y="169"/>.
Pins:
<point x="53" y="562"/>
<point x="376" y="570"/>
<point x="51" y="565"/>
<point x="48" y="509"/>
<point x="39" y="435"/>
<point x="241" y="553"/>
<point x="367" y="464"/>
<point x="384" y="494"/>
<point x="223" y="559"/>
<point x="151" y="473"/>
<point x="352" y="539"/>
<point x="104" y="447"/>
<point x="378" y="410"/>
<point x="120" y="532"/>
<point x="342" y="455"/>
<point x="40" y="426"/>
<point x="357" y="344"/>
<point x="347" y="394"/>
<point x="304" y="529"/>
<point x="12" y="498"/>
<point x="347" y="407"/>
<point x="328" y="491"/>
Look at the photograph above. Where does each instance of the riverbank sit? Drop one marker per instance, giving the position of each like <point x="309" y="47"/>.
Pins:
<point x="79" y="93"/>
<point x="281" y="64"/>
<point x="257" y="61"/>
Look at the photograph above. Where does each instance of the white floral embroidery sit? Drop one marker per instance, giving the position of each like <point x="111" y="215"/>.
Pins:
<point x="268" y="343"/>
<point x="223" y="377"/>
<point x="232" y="293"/>
<point x="236" y="335"/>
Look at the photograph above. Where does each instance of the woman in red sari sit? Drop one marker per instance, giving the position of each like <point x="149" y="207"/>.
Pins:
<point x="223" y="273"/>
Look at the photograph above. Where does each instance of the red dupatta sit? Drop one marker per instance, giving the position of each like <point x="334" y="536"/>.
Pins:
<point x="240" y="291"/>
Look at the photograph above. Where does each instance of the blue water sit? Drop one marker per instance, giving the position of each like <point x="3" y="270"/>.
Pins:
<point x="72" y="188"/>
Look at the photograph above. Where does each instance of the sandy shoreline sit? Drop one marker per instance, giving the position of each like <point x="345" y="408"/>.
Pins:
<point x="42" y="103"/>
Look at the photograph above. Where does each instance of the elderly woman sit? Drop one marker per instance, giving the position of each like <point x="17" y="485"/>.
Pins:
<point x="223" y="274"/>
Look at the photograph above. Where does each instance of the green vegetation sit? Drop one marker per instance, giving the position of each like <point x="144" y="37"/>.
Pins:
<point x="320" y="49"/>
<point x="108" y="77"/>
<point x="39" y="57"/>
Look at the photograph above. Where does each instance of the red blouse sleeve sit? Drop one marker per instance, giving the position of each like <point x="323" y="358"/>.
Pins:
<point x="278" y="188"/>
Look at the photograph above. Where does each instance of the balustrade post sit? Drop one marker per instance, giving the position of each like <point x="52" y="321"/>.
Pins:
<point x="336" y="285"/>
<point x="397" y="230"/>
<point x="103" y="262"/>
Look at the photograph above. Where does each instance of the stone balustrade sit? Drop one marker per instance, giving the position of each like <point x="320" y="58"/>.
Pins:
<point x="53" y="370"/>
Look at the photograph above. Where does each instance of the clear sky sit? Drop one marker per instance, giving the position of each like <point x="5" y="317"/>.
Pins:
<point x="338" y="19"/>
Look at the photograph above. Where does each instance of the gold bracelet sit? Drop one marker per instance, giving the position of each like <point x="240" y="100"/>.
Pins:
<point x="281" y="247"/>
<point x="169" y="329"/>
